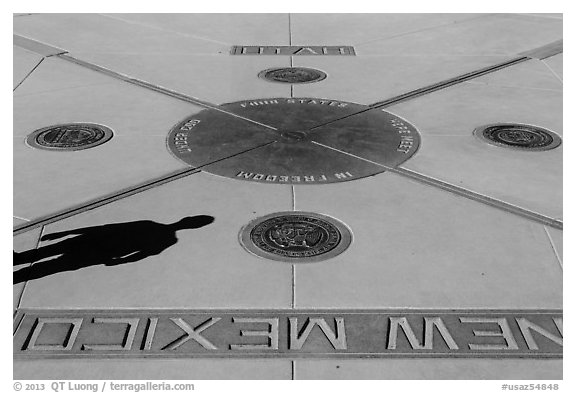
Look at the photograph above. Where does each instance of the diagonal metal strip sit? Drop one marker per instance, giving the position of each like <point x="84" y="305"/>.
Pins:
<point x="542" y="52"/>
<point x="36" y="46"/>
<point x="432" y="88"/>
<point x="460" y="191"/>
<point x="159" y="89"/>
<point x="48" y="50"/>
<point x="545" y="51"/>
<point x="104" y="200"/>
<point x="449" y="82"/>
<point x="407" y="96"/>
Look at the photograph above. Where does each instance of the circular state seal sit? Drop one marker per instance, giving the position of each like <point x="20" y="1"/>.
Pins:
<point x="292" y="75"/>
<point x="518" y="136"/>
<point x="296" y="237"/>
<point x="304" y="141"/>
<point x="74" y="136"/>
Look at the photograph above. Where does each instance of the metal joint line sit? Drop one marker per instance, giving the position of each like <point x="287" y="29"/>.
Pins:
<point x="449" y="82"/>
<point x="35" y="46"/>
<point x="431" y="88"/>
<point x="545" y="51"/>
<point x="158" y="89"/>
<point x="519" y="211"/>
<point x="122" y="194"/>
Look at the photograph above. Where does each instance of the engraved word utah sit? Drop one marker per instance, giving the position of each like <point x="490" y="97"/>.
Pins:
<point x="286" y="333"/>
<point x="293" y="50"/>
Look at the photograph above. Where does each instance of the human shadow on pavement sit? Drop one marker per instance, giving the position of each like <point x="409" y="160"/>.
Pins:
<point x="110" y="245"/>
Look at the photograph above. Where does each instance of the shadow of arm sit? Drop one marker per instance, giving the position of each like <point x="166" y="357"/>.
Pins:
<point x="134" y="257"/>
<point x="77" y="231"/>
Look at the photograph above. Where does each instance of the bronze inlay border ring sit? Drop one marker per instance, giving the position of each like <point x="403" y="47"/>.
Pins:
<point x="293" y="75"/>
<point x="518" y="136"/>
<point x="295" y="237"/>
<point x="69" y="137"/>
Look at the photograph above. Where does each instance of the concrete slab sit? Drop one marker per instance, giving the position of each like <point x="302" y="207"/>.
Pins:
<point x="216" y="79"/>
<point x="18" y="221"/>
<point x="230" y="29"/>
<point x="555" y="65"/>
<point x="57" y="75"/>
<point x="369" y="79"/>
<point x="207" y="268"/>
<point x="465" y="262"/>
<point x="414" y="246"/>
<point x="437" y="369"/>
<point x="78" y="33"/>
<point x="448" y="143"/>
<point x="23" y="62"/>
<point x="151" y="369"/>
<point x="139" y="118"/>
<point x="532" y="74"/>
<point x="358" y="29"/>
<point x="546" y="15"/>
<point x="479" y="36"/>
<point x="23" y="242"/>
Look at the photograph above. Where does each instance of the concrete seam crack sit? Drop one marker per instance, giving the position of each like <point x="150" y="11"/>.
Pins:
<point x="421" y="30"/>
<point x="115" y="196"/>
<point x="554" y="248"/>
<point x="469" y="194"/>
<point x="28" y="74"/>
<point x="26" y="282"/>
<point x="156" y="88"/>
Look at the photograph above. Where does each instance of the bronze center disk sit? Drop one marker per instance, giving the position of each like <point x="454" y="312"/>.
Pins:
<point x="294" y="141"/>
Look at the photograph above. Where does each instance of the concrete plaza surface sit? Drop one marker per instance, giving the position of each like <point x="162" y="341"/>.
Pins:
<point x="461" y="225"/>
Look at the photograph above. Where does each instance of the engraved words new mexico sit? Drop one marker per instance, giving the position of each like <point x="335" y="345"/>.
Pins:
<point x="289" y="333"/>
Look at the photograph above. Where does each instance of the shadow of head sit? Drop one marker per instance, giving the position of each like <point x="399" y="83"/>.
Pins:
<point x="192" y="222"/>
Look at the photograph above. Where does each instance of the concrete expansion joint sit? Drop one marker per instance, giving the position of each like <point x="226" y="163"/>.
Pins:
<point x="428" y="279"/>
<point x="113" y="197"/>
<point x="516" y="87"/>
<point x="463" y="192"/>
<point x="558" y="258"/>
<point x="38" y="240"/>
<point x="448" y="82"/>
<point x="423" y="29"/>
<point x="559" y="18"/>
<point x="478" y="197"/>
<point x="553" y="72"/>
<point x="28" y="74"/>
<point x="156" y="88"/>
<point x="403" y="97"/>
<point x="151" y="27"/>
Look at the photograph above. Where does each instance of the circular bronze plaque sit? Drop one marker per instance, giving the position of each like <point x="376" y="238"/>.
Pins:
<point x="292" y="75"/>
<point x="73" y="136"/>
<point x="518" y="136"/>
<point x="309" y="141"/>
<point x="296" y="237"/>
